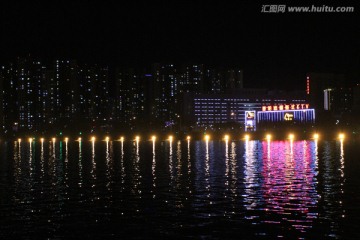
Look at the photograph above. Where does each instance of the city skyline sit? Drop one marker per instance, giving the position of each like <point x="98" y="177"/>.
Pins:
<point x="279" y="48"/>
<point x="78" y="97"/>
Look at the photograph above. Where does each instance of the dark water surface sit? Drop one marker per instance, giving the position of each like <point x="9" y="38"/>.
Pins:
<point x="198" y="189"/>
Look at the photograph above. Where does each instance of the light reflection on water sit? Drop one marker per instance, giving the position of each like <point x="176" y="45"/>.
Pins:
<point x="174" y="188"/>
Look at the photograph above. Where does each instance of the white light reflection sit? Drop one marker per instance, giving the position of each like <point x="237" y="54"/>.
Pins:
<point x="31" y="167"/>
<point x="109" y="166"/>
<point x="207" y="166"/>
<point x="227" y="168"/>
<point x="80" y="164"/>
<point x="66" y="151"/>
<point x="233" y="170"/>
<point x="93" y="163"/>
<point x="153" y="167"/>
<point x="17" y="163"/>
<point x="171" y="164"/>
<point x="137" y="175"/>
<point x="179" y="164"/>
<point x="188" y="164"/>
<point x="269" y="150"/>
<point x="251" y="200"/>
<point x="342" y="174"/>
<point x="52" y="153"/>
<point x="342" y="158"/>
<point x="122" y="166"/>
<point x="42" y="160"/>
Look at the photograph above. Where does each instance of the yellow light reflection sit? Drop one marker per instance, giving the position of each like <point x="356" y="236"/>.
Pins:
<point x="79" y="139"/>
<point x="53" y="139"/>
<point x="247" y="137"/>
<point x="137" y="138"/>
<point x="226" y="137"/>
<point x="188" y="138"/>
<point x="170" y="138"/>
<point x="107" y="139"/>
<point x="41" y="140"/>
<point x="121" y="139"/>
<point x="30" y="140"/>
<point x="66" y="139"/>
<point x="153" y="138"/>
<point x="93" y="139"/>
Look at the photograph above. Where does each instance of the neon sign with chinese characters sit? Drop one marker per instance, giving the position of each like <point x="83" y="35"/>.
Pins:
<point x="282" y="107"/>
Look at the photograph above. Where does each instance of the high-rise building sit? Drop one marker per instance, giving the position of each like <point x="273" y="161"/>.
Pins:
<point x="2" y="117"/>
<point x="191" y="78"/>
<point x="166" y="86"/>
<point x="233" y="79"/>
<point x="316" y="83"/>
<point x="94" y="99"/>
<point x="134" y="96"/>
<point x="30" y="76"/>
<point x="213" y="79"/>
<point x="356" y="99"/>
<point x="328" y="99"/>
<point x="65" y="85"/>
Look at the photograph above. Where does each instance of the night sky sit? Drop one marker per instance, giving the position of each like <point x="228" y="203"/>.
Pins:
<point x="275" y="49"/>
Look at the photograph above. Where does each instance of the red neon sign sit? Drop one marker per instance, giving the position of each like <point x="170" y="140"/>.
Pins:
<point x="307" y="85"/>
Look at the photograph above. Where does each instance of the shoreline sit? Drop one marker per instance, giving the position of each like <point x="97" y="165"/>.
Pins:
<point x="216" y="136"/>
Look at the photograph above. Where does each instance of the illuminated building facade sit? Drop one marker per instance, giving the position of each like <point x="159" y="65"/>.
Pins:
<point x="247" y="108"/>
<point x="297" y="116"/>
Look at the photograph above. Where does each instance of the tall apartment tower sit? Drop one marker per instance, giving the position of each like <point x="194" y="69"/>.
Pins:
<point x="31" y="94"/>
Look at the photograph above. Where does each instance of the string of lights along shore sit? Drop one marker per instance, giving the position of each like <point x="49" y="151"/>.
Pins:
<point x="65" y="96"/>
<point x="171" y="138"/>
